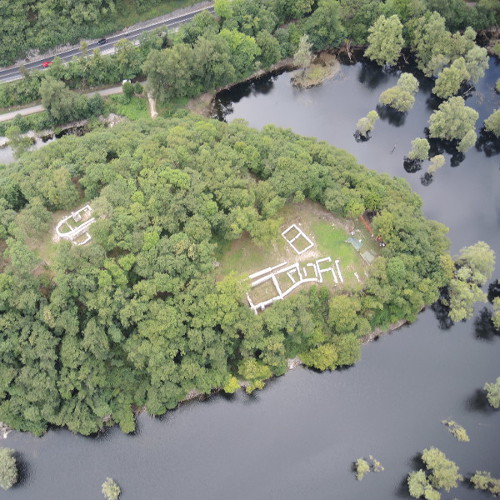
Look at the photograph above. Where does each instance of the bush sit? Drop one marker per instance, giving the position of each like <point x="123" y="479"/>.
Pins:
<point x="8" y="469"/>
<point x="110" y="489"/>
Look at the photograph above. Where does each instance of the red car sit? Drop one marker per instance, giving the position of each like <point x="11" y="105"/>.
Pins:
<point x="46" y="64"/>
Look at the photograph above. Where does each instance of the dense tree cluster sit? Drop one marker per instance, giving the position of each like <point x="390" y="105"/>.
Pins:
<point x="136" y="318"/>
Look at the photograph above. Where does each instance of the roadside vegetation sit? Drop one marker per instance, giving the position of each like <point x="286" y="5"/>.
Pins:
<point x="47" y="23"/>
<point x="248" y="35"/>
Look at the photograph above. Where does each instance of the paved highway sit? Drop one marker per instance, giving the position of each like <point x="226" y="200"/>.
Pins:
<point x="12" y="73"/>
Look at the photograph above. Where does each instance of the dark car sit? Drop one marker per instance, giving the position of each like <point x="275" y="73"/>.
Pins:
<point x="102" y="41"/>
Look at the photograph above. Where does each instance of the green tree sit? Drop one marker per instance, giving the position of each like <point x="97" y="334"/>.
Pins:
<point x="324" y="27"/>
<point x="303" y="57"/>
<point x="401" y="97"/>
<point x="269" y="46"/>
<point x="357" y="16"/>
<point x="419" y="149"/>
<point x="8" y="468"/>
<point x="452" y="120"/>
<point x="343" y="313"/>
<point x="170" y="72"/>
<point x="437" y="162"/>
<point x="397" y="98"/>
<point x="474" y="267"/>
<point x="385" y="41"/>
<point x="492" y="123"/>
<point x="323" y="357"/>
<point x="62" y="104"/>
<point x="450" y="79"/>
<point x="480" y="259"/>
<point x="255" y="373"/>
<point x="362" y="467"/>
<point x="128" y="89"/>
<point x="493" y="393"/>
<point x="365" y="125"/>
<point x="408" y="82"/>
<point x="293" y="9"/>
<point x="110" y="489"/>
<point x="476" y="61"/>
<point x="431" y="42"/>
<point x="243" y="49"/>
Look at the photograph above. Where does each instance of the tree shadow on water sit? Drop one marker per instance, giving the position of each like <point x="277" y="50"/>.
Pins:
<point x="493" y="290"/>
<point x="361" y="138"/>
<point x="412" y="166"/>
<point x="483" y="326"/>
<point x="478" y="402"/>
<point x="456" y="158"/>
<point x="23" y="471"/>
<point x="442" y="313"/>
<point x="488" y="143"/>
<point x="372" y="75"/>
<point x="426" y="179"/>
<point x="389" y="114"/>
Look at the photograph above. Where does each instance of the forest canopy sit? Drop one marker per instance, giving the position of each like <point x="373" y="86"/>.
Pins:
<point x="136" y="318"/>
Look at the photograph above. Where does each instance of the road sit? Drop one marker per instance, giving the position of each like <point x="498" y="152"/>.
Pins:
<point x="12" y="73"/>
<point x="38" y="108"/>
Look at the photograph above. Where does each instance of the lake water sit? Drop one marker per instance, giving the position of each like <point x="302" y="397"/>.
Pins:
<point x="297" y="439"/>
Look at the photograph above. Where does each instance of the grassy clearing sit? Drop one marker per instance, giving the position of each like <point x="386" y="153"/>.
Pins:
<point x="328" y="234"/>
<point x="135" y="108"/>
<point x="169" y="108"/>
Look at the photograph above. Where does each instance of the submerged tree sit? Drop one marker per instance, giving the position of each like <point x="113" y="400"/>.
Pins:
<point x="110" y="489"/>
<point x="419" y="149"/>
<point x="436" y="163"/>
<point x="385" y="40"/>
<point x="457" y="430"/>
<point x="474" y="267"/>
<point x="8" y="468"/>
<point x="493" y="393"/>
<point x="496" y="313"/>
<point x="476" y="61"/>
<point x="419" y="486"/>
<point x="362" y="467"/>
<point x="401" y="96"/>
<point x="492" y="123"/>
<point x="483" y="480"/>
<point x="450" y="79"/>
<point x="453" y="120"/>
<point x="444" y="473"/>
<point x="467" y="141"/>
<point x="365" y="125"/>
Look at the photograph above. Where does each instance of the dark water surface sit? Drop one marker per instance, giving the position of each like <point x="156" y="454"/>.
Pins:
<point x="297" y="438"/>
